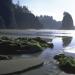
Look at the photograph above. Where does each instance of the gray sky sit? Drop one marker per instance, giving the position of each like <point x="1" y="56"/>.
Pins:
<point x="53" y="8"/>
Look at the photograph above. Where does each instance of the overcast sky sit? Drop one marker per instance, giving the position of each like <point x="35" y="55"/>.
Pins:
<point x="53" y="8"/>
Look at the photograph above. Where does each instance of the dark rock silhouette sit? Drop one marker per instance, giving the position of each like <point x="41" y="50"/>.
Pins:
<point x="49" y="23"/>
<point x="67" y="22"/>
<point x="25" y="19"/>
<point x="2" y="23"/>
<point x="6" y="12"/>
<point x="14" y="16"/>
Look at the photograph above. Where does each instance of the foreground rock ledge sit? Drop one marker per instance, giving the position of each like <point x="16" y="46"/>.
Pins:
<point x="17" y="65"/>
<point x="65" y="63"/>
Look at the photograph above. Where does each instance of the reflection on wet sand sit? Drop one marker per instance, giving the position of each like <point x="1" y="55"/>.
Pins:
<point x="66" y="41"/>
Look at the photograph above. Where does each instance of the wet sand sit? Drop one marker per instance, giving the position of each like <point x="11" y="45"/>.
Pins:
<point x="18" y="65"/>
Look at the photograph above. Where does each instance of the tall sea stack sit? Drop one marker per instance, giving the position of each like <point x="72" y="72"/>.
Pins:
<point x="67" y="22"/>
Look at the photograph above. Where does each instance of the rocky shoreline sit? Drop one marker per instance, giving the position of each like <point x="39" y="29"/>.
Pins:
<point x="22" y="45"/>
<point x="65" y="63"/>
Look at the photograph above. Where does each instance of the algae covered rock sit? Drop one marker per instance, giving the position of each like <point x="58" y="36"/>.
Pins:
<point x="22" y="45"/>
<point x="66" y="63"/>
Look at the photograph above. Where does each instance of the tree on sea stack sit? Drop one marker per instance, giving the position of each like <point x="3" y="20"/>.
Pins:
<point x="67" y="22"/>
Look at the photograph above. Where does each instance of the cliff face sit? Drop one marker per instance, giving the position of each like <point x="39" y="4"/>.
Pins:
<point x="67" y="22"/>
<point x="17" y="17"/>
<point x="25" y="19"/>
<point x="2" y="23"/>
<point x="6" y="13"/>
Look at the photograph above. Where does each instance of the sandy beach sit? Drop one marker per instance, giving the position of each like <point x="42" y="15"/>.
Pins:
<point x="17" y="65"/>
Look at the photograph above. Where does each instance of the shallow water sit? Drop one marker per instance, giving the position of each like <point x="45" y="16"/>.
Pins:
<point x="50" y="67"/>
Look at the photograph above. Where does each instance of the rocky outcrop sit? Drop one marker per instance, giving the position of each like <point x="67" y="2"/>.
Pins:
<point x="67" y="22"/>
<point x="22" y="45"/>
<point x="6" y="13"/>
<point x="66" y="63"/>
